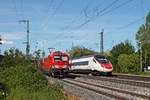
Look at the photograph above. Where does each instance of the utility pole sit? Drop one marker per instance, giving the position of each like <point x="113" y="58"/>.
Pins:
<point x="50" y="50"/>
<point x="141" y="65"/>
<point x="101" y="42"/>
<point x="72" y="45"/>
<point x="43" y="52"/>
<point x="0" y="42"/>
<point x="27" y="42"/>
<point x="141" y="43"/>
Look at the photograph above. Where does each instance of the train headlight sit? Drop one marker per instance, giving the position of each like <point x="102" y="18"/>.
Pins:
<point x="56" y="66"/>
<point x="64" y="66"/>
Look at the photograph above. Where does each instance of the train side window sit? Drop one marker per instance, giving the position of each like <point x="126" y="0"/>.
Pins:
<point x="80" y="63"/>
<point x="94" y="60"/>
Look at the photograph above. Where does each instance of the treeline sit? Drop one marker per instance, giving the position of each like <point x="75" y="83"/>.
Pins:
<point x="124" y="58"/>
<point x="123" y="55"/>
<point x="20" y="80"/>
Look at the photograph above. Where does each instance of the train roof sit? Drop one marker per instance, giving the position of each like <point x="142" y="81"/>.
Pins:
<point x="58" y="53"/>
<point x="87" y="56"/>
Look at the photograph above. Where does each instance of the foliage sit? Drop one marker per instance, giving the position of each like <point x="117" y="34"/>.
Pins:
<point x="122" y="48"/>
<point x="27" y="83"/>
<point x="13" y="57"/>
<point x="143" y="36"/>
<point x="79" y="51"/>
<point x="24" y="81"/>
<point x="128" y="63"/>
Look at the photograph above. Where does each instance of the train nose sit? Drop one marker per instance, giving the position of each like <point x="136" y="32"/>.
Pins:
<point x="108" y="66"/>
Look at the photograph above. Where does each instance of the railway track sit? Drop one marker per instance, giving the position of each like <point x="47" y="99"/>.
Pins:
<point x="133" y="77"/>
<point x="108" y="91"/>
<point x="118" y="79"/>
<point x="102" y="89"/>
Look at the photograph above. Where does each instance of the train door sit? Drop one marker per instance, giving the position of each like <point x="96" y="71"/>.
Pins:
<point x="93" y="64"/>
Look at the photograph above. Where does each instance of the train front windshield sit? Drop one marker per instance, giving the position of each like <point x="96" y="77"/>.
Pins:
<point x="101" y="59"/>
<point x="60" y="58"/>
<point x="64" y="58"/>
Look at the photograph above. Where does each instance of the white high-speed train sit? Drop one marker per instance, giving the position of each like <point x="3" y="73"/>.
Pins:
<point x="95" y="64"/>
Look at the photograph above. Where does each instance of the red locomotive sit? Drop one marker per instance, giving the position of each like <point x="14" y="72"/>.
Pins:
<point x="57" y="63"/>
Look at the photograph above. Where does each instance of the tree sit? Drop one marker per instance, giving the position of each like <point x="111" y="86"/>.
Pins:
<point x="13" y="57"/>
<point x="143" y="35"/>
<point x="78" y="51"/>
<point x="122" y="48"/>
<point x="128" y="63"/>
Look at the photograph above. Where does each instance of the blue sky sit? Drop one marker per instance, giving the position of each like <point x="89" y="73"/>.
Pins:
<point x="56" y="23"/>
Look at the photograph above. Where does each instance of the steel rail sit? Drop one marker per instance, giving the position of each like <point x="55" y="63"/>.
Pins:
<point x="118" y="80"/>
<point x="118" y="97"/>
<point x="116" y="89"/>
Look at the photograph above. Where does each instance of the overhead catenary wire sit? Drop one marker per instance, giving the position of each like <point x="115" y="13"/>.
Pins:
<point x="77" y="18"/>
<point x="15" y="8"/>
<point x="104" y="9"/>
<point x="53" y="14"/>
<point x="127" y="25"/>
<point x="48" y="15"/>
<point x="47" y="12"/>
<point x="49" y="6"/>
<point x="22" y="9"/>
<point x="58" y="7"/>
<point x="102" y="13"/>
<point x="131" y="23"/>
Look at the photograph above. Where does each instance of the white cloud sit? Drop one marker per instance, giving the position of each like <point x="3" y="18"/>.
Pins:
<point x="13" y="36"/>
<point x="7" y="42"/>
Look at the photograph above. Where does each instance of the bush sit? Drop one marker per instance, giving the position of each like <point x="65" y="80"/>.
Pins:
<point x="13" y="57"/>
<point x="78" y="51"/>
<point x="27" y="84"/>
<point x="23" y="80"/>
<point x="128" y="63"/>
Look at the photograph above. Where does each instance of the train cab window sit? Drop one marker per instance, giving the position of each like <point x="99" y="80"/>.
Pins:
<point x="101" y="59"/>
<point x="64" y="58"/>
<point x="57" y="58"/>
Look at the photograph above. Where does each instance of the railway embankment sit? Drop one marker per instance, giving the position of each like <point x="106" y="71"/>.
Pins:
<point x="100" y="88"/>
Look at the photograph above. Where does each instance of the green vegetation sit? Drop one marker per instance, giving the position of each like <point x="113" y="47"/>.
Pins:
<point x="147" y="73"/>
<point x="20" y="80"/>
<point x="128" y="63"/>
<point x="124" y="58"/>
<point x="24" y="81"/>
<point x="122" y="48"/>
<point x="143" y="36"/>
<point x="123" y="55"/>
<point x="79" y="51"/>
<point x="13" y="57"/>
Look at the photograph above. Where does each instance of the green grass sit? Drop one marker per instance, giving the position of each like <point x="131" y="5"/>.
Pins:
<point x="25" y="83"/>
<point x="147" y="73"/>
<point x="44" y="94"/>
